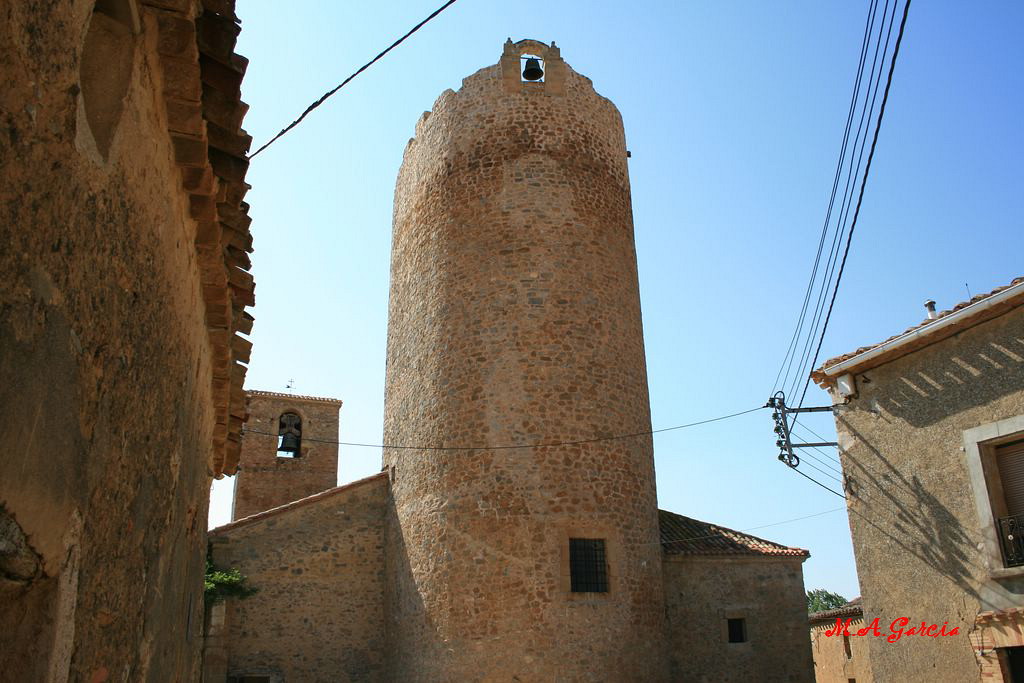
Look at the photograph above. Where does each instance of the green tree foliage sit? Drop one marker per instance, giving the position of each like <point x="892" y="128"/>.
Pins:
<point x="820" y="599"/>
<point x="224" y="583"/>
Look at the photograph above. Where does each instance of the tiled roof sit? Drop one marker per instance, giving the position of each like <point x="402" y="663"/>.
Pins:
<point x="821" y="378"/>
<point x="850" y="610"/>
<point x="281" y="509"/>
<point x="275" y="394"/>
<point x="687" y="536"/>
<point x="201" y="78"/>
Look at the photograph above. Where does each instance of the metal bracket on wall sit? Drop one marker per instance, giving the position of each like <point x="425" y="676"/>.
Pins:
<point x="781" y="413"/>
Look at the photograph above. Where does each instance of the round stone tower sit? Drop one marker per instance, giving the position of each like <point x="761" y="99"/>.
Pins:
<point x="515" y="319"/>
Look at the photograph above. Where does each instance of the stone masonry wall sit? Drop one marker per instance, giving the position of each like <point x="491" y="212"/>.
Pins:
<point x="106" y="407"/>
<point x="702" y="593"/>
<point x="265" y="480"/>
<point x="831" y="665"/>
<point x="515" y="319"/>
<point x="319" y="568"/>
<point x="913" y="514"/>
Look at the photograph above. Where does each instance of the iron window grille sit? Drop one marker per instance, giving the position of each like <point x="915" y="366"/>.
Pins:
<point x="1011" y="537"/>
<point x="588" y="566"/>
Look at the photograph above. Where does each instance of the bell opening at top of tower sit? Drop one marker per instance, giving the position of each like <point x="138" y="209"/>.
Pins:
<point x="533" y="68"/>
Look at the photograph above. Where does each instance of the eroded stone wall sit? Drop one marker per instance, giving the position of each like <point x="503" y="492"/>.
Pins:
<point x="832" y="664"/>
<point x="319" y="568"/>
<point x="702" y="593"/>
<point x="265" y="480"/>
<point x="515" y="319"/>
<point x="913" y="513"/>
<point x="105" y="405"/>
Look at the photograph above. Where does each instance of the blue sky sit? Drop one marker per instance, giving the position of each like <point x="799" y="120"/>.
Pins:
<point x="734" y="114"/>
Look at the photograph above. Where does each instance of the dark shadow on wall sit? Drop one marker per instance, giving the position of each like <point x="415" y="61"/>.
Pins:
<point x="903" y="510"/>
<point x="403" y="604"/>
<point x="967" y="374"/>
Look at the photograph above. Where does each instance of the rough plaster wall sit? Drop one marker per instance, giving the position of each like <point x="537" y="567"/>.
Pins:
<point x="913" y="517"/>
<point x="515" y="318"/>
<point x="831" y="665"/>
<point x="700" y="594"/>
<point x="105" y="405"/>
<point x="319" y="568"/>
<point x="266" y="481"/>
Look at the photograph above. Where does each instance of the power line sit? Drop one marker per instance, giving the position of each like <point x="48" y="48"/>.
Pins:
<point x="829" y="461"/>
<point x="863" y="184"/>
<point x="753" y="528"/>
<point x="818" y="482"/>
<point x="360" y="70"/>
<point x="790" y="356"/>
<point x="511" y="446"/>
<point x="859" y="142"/>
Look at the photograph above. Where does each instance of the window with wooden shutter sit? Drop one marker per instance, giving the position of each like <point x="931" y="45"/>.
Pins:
<point x="1010" y="461"/>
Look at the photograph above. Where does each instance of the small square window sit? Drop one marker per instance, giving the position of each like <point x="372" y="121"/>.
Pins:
<point x="737" y="630"/>
<point x="588" y="567"/>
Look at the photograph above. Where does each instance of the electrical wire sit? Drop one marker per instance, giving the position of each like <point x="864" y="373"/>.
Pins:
<point x="860" y="140"/>
<point x="802" y="474"/>
<point x="829" y="460"/>
<point x="753" y="528"/>
<point x="787" y="360"/>
<point x="358" y="71"/>
<point x="860" y="198"/>
<point x="514" y="446"/>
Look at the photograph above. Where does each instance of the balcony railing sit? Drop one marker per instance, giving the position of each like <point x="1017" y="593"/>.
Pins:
<point x="1011" y="538"/>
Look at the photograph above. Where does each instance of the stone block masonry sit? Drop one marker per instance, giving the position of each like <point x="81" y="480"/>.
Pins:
<point x="319" y="566"/>
<point x="266" y="480"/>
<point x="515" y="318"/>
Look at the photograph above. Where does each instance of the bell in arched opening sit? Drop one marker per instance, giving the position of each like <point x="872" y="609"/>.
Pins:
<point x="533" y="71"/>
<point x="289" y="435"/>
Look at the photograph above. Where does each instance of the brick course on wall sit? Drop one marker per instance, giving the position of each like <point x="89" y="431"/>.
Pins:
<point x="319" y="567"/>
<point x="701" y="593"/>
<point x="266" y="480"/>
<point x="515" y="319"/>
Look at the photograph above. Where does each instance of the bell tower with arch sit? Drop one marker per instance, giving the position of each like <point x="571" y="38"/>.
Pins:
<point x="286" y="451"/>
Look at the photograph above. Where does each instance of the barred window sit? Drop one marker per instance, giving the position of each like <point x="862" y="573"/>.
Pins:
<point x="588" y="567"/>
<point x="737" y="630"/>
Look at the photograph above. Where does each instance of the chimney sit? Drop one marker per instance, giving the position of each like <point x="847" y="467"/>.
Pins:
<point x="930" y="307"/>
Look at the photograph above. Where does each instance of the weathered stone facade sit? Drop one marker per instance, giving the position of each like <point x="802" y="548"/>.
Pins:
<point x="515" y="319"/>
<point x="702" y="593"/>
<point x="319" y="567"/>
<point x="266" y="480"/>
<point x="712" y="575"/>
<point x="116" y="327"/>
<point x="840" y="658"/>
<point x="917" y="419"/>
<point x="322" y="613"/>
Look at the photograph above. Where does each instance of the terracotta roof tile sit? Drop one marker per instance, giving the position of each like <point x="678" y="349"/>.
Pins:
<point x="297" y="397"/>
<point x="687" y="536"/>
<point x="201" y="77"/>
<point x="819" y="376"/>
<point x="848" y="611"/>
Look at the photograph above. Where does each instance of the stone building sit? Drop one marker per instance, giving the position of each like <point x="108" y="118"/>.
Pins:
<point x="123" y="284"/>
<point x="514" y="533"/>
<point x="840" y="657"/>
<point x="931" y="435"/>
